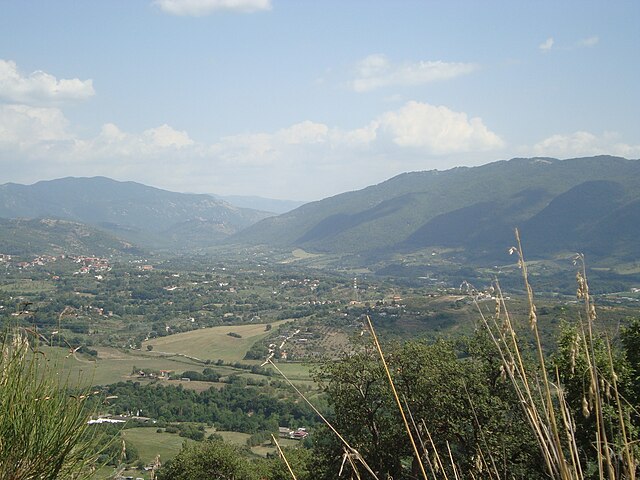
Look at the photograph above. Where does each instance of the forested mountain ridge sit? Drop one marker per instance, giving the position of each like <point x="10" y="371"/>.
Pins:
<point x="138" y="213"/>
<point x="576" y="204"/>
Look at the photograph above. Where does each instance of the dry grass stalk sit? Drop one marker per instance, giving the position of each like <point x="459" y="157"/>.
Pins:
<point x="424" y="447"/>
<point x="353" y="453"/>
<point x="284" y="457"/>
<point x="395" y="395"/>
<point x="544" y="402"/>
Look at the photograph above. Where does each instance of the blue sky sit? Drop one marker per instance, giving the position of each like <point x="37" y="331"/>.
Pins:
<point x="306" y="99"/>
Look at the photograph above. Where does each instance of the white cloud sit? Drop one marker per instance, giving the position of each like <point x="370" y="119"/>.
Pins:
<point x="165" y="137"/>
<point x="40" y="88"/>
<point x="437" y="129"/>
<point x="112" y="142"/>
<point x="23" y="127"/>
<point x="589" y="42"/>
<point x="304" y="133"/>
<point x="583" y="143"/>
<point x="199" y="8"/>
<point x="546" y="45"/>
<point x="305" y="160"/>
<point x="376" y="71"/>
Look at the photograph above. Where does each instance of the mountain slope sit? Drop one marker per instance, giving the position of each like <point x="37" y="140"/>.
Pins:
<point x="471" y="208"/>
<point x="54" y="237"/>
<point x="138" y="213"/>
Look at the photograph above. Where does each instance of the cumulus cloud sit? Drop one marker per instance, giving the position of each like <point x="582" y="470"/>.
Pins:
<point x="583" y="143"/>
<point x="437" y="129"/>
<point x="377" y="71"/>
<point x="304" y="133"/>
<point x="40" y="88"/>
<point x="305" y="160"/>
<point x="546" y="45"/>
<point x="166" y="136"/>
<point x="112" y="142"/>
<point x="23" y="127"/>
<point x="199" y="8"/>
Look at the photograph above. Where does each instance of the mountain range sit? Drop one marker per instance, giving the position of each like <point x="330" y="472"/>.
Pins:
<point x="137" y="213"/>
<point x="589" y="205"/>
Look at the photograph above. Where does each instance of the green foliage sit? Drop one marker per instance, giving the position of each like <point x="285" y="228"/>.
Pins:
<point x="217" y="460"/>
<point x="191" y="431"/>
<point x="454" y="392"/>
<point x="43" y="420"/>
<point x="573" y="364"/>
<point x="631" y="344"/>
<point x="211" y="459"/>
<point x="235" y="407"/>
<point x="259" y="438"/>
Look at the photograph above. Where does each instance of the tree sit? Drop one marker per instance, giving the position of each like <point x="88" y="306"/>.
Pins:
<point x="454" y="393"/>
<point x="211" y="459"/>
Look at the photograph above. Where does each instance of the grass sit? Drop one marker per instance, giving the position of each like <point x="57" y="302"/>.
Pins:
<point x="213" y="343"/>
<point x="295" y="371"/>
<point x="267" y="448"/>
<point x="299" y="254"/>
<point x="240" y="439"/>
<point x="114" y="365"/>
<point x="149" y="443"/>
<point x="237" y="438"/>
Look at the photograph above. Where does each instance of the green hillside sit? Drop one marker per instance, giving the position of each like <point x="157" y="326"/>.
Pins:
<point x="560" y="204"/>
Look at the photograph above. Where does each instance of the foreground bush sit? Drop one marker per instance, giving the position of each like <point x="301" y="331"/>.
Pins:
<point x="43" y="420"/>
<point x="216" y="460"/>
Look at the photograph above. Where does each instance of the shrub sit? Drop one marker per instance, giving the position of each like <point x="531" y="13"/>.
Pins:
<point x="43" y="421"/>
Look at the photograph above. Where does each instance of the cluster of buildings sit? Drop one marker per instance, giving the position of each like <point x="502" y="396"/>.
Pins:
<point x="87" y="264"/>
<point x="298" y="434"/>
<point x="92" y="264"/>
<point x="307" y="282"/>
<point x="38" y="261"/>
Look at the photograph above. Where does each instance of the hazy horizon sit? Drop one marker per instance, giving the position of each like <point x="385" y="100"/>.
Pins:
<point x="289" y="100"/>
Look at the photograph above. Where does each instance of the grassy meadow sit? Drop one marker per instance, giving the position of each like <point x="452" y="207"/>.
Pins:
<point x="179" y="352"/>
<point x="213" y="343"/>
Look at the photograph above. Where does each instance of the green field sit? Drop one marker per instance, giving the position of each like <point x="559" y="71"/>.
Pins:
<point x="150" y="443"/>
<point x="175" y="353"/>
<point x="213" y="343"/>
<point x="240" y="439"/>
<point x="113" y="365"/>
